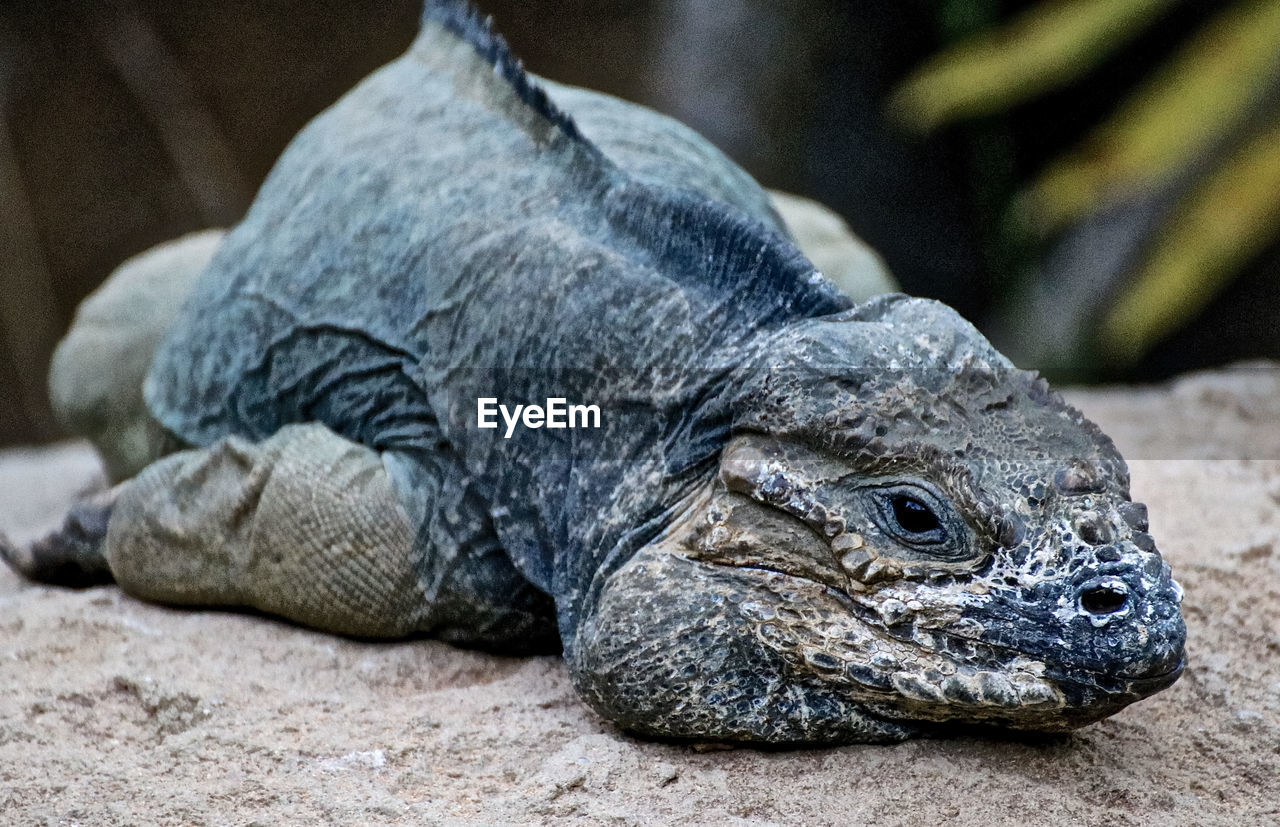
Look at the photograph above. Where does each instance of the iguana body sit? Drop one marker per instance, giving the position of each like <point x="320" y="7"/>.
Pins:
<point x="799" y="521"/>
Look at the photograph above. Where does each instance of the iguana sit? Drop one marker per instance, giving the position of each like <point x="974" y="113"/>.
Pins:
<point x="800" y="520"/>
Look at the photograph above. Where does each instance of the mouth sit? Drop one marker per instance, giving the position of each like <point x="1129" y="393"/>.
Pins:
<point x="1101" y="679"/>
<point x="1072" y="695"/>
<point x="1095" y="695"/>
<point x="1149" y="685"/>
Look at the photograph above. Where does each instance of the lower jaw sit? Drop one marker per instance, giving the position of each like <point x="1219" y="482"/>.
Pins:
<point x="1124" y="688"/>
<point x="1092" y="697"/>
<point x="1089" y="700"/>
<point x="990" y="721"/>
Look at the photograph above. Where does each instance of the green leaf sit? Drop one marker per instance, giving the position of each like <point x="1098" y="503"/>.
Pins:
<point x="1045" y="47"/>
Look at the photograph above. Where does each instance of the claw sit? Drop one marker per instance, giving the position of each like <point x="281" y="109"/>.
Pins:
<point x="19" y="559"/>
<point x="70" y="556"/>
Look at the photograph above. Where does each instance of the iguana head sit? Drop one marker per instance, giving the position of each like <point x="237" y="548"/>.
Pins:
<point x="905" y="530"/>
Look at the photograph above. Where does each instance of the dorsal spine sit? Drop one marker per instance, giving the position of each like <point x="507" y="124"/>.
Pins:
<point x="464" y="21"/>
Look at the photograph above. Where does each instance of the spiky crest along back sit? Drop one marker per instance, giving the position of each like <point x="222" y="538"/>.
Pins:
<point x="704" y="245"/>
<point x="465" y="21"/>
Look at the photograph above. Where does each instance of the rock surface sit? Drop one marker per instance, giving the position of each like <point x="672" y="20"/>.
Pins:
<point x="117" y="712"/>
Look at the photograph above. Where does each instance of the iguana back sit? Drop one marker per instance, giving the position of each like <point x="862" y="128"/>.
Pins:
<point x="799" y="521"/>
<point x="445" y="233"/>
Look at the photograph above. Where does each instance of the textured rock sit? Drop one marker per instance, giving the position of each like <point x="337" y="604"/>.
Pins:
<point x="117" y="712"/>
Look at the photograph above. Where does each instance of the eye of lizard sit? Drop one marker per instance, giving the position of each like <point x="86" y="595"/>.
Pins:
<point x="918" y="519"/>
<point x="913" y="516"/>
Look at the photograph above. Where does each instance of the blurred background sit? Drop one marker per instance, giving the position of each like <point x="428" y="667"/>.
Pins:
<point x="1094" y="183"/>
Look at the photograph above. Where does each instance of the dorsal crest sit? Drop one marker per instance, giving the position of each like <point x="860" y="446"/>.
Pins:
<point x="464" y="21"/>
<point x="703" y="244"/>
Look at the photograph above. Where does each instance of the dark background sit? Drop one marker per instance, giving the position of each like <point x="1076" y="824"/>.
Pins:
<point x="129" y="122"/>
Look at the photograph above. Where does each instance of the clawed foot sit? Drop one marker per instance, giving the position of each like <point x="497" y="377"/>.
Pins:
<point x="72" y="555"/>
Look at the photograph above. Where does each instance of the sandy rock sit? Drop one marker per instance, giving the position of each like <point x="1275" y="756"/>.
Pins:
<point x="117" y="712"/>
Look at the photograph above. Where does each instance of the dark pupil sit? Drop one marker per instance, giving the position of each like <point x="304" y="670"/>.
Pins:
<point x="913" y="515"/>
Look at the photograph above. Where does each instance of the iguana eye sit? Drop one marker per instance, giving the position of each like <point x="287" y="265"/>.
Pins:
<point x="917" y="518"/>
<point x="913" y="516"/>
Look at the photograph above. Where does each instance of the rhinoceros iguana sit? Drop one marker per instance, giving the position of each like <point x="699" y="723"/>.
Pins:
<point x="743" y="507"/>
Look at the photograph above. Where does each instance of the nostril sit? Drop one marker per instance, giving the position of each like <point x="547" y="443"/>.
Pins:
<point x="1105" y="599"/>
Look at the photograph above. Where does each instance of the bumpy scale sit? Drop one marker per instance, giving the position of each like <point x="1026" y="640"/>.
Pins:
<point x="800" y="521"/>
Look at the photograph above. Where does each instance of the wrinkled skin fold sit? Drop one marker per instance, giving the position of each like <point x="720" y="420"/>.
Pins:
<point x="797" y="608"/>
<point x="801" y="521"/>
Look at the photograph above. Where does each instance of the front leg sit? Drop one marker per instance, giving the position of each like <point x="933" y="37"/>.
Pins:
<point x="304" y="525"/>
<point x="308" y="526"/>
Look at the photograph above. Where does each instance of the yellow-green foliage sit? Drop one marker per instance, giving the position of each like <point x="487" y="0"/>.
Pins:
<point x="1196" y="110"/>
<point x="1217" y="230"/>
<point x="1044" y="47"/>
<point x="1202" y="95"/>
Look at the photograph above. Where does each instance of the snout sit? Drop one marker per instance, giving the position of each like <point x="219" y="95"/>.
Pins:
<point x="1108" y="636"/>
<point x="1131" y="623"/>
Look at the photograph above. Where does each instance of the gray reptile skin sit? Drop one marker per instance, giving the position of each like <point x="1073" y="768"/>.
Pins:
<point x="802" y="521"/>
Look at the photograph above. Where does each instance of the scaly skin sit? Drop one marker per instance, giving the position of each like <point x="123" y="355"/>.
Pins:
<point x="800" y="522"/>
<point x="794" y="608"/>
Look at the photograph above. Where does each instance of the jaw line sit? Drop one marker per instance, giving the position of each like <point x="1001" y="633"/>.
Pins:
<point x="1148" y="685"/>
